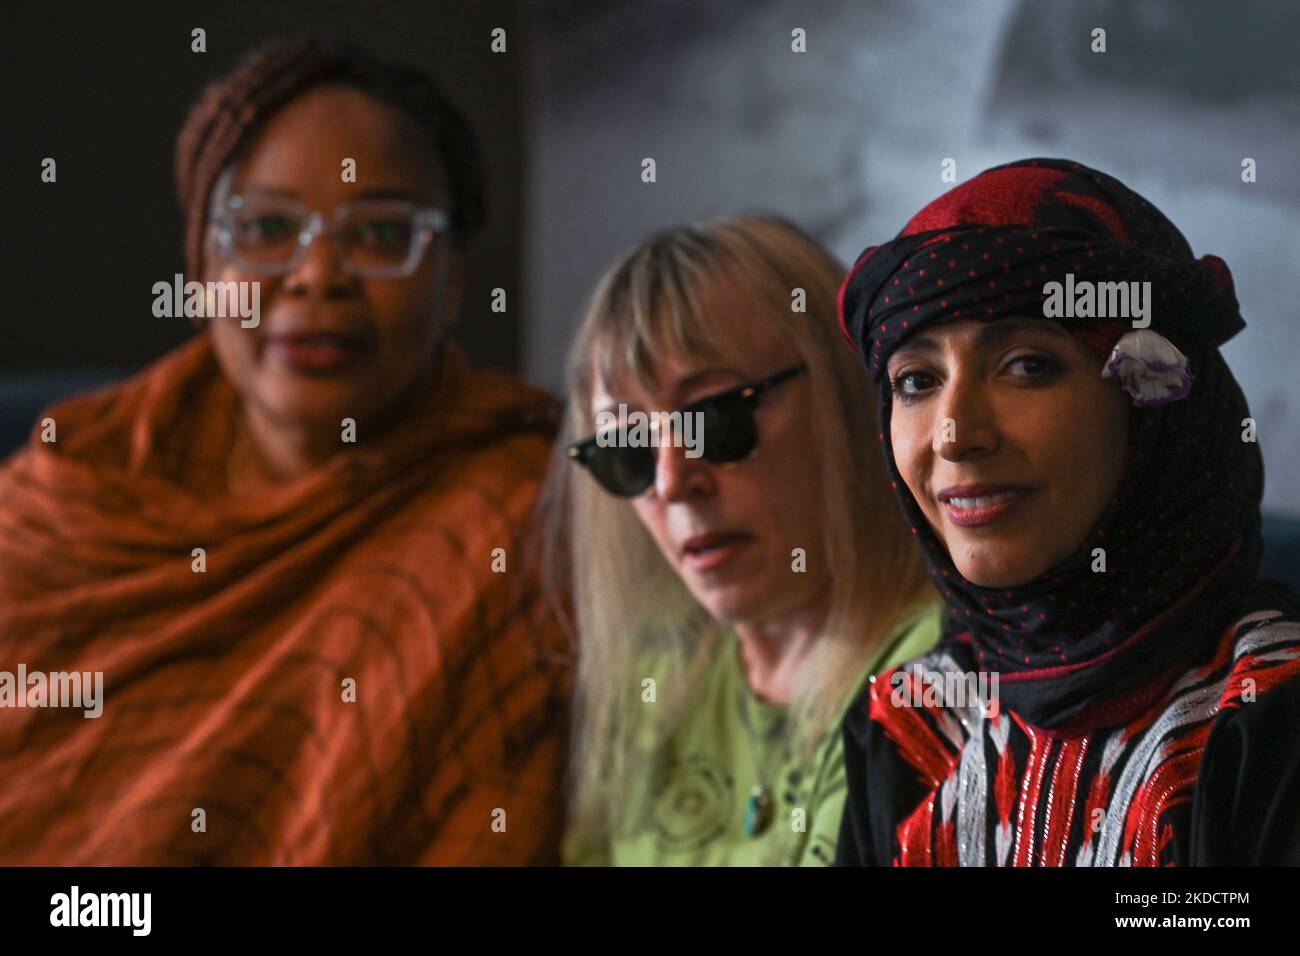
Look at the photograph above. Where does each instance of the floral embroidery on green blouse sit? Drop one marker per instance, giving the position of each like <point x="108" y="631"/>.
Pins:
<point x="702" y="791"/>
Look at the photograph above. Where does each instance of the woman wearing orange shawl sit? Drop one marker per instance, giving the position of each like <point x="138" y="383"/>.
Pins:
<point x="293" y="548"/>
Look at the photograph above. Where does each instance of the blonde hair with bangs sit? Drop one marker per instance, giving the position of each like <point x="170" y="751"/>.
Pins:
<point x="699" y="291"/>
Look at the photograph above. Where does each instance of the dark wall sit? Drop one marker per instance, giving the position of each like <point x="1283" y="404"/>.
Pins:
<point x="103" y="89"/>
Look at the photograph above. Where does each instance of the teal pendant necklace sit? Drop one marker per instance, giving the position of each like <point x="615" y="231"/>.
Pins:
<point x="758" y="809"/>
<point x="758" y="813"/>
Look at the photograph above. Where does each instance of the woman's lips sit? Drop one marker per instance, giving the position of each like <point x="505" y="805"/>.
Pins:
<point x="972" y="506"/>
<point x="317" y="352"/>
<point x="711" y="551"/>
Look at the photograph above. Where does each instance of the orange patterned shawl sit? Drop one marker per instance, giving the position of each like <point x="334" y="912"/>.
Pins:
<point x="224" y="690"/>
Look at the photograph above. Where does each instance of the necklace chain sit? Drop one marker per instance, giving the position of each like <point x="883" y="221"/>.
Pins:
<point x="759" y="807"/>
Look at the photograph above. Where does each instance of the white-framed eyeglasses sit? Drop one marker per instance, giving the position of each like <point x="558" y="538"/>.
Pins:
<point x="377" y="238"/>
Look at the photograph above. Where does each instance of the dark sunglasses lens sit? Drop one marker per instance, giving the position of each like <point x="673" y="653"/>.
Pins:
<point x="729" y="431"/>
<point x="622" y="471"/>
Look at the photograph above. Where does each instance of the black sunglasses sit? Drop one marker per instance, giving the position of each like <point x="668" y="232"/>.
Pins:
<point x="727" y="418"/>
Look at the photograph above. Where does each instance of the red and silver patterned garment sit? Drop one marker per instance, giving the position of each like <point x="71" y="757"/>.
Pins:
<point x="1203" y="778"/>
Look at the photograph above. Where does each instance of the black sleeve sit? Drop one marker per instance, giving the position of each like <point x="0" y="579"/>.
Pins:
<point x="883" y="790"/>
<point x="854" y="847"/>
<point x="1246" y="805"/>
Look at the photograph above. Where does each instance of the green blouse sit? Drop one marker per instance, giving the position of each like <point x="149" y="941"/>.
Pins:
<point x="697" y="817"/>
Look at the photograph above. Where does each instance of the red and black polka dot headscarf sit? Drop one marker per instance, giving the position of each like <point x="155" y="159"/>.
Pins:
<point x="1075" y="647"/>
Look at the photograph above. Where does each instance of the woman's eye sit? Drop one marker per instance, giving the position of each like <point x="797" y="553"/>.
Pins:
<point x="1033" y="366"/>
<point x="268" y="228"/>
<point x="382" y="232"/>
<point x="908" y="385"/>
<point x="273" y="226"/>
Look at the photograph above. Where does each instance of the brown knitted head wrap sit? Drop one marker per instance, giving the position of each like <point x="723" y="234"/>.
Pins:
<point x="231" y="108"/>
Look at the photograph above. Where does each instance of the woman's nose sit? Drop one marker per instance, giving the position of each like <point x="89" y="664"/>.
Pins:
<point x="676" y="475"/>
<point x="966" y="424"/>
<point x="321" y="271"/>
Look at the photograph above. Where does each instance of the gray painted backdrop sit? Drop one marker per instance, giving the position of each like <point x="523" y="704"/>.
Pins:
<point x="847" y="139"/>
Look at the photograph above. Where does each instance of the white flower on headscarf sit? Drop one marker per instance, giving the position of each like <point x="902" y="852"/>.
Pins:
<point x="1149" y="367"/>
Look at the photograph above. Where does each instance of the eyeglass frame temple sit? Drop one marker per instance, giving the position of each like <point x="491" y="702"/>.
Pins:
<point x="755" y="390"/>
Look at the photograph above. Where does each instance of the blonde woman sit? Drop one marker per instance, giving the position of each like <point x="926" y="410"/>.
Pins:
<point x="736" y="582"/>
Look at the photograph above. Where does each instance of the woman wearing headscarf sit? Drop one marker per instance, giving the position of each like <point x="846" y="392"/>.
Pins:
<point x="293" y="548"/>
<point x="1113" y="687"/>
<point x="736" y="581"/>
